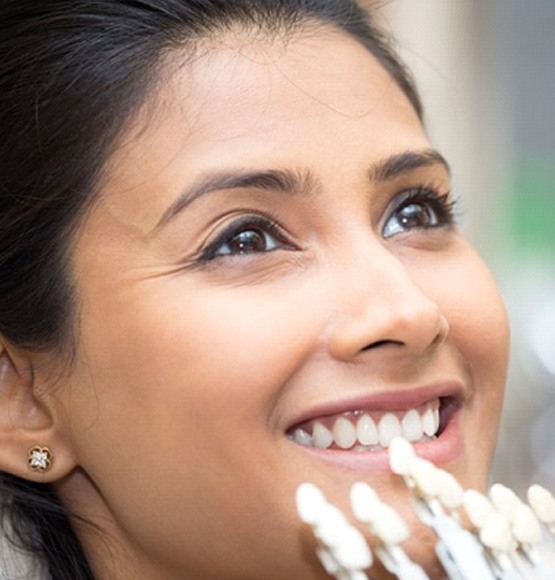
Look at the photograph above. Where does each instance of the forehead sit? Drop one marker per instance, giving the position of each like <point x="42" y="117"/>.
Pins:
<point x="251" y="102"/>
<point x="240" y="84"/>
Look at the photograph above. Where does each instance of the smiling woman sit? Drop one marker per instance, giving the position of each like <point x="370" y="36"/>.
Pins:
<point x="229" y="263"/>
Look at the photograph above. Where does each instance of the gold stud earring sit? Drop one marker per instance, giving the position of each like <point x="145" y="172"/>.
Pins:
<point x="39" y="458"/>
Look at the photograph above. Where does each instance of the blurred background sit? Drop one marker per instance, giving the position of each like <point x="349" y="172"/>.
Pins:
<point x="486" y="73"/>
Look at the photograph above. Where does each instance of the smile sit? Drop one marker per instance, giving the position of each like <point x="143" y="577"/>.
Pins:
<point x="355" y="434"/>
<point x="361" y="430"/>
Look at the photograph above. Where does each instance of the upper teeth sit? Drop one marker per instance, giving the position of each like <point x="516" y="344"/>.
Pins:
<point x="363" y="432"/>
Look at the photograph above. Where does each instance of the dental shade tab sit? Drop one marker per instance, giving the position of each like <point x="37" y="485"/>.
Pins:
<point x="342" y="549"/>
<point x="389" y="529"/>
<point x="542" y="503"/>
<point x="525" y="530"/>
<point x="436" y="494"/>
<point x="507" y="540"/>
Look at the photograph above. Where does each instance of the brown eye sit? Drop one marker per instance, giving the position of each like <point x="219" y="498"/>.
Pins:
<point x="416" y="215"/>
<point x="247" y="242"/>
<point x="419" y="210"/>
<point x="247" y="236"/>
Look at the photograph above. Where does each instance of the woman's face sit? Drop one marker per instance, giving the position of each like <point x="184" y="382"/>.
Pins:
<point x="272" y="256"/>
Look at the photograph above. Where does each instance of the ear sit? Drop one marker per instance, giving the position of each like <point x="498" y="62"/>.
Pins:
<point x="30" y="417"/>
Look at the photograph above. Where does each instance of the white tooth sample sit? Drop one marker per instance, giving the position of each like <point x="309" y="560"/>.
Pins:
<point x="411" y="426"/>
<point x="344" y="433"/>
<point x="451" y="492"/>
<point x="496" y="533"/>
<point x="346" y="544"/>
<point x="478" y="507"/>
<point x="363" y="500"/>
<point x="526" y="527"/>
<point x="328" y="561"/>
<point x="543" y="503"/>
<point x="429" y="423"/>
<point x="321" y="436"/>
<point x="352" y="552"/>
<point x="504" y="499"/>
<point x="301" y="437"/>
<point x="367" y="432"/>
<point x="330" y="520"/>
<point x="388" y="525"/>
<point x="343" y="548"/>
<point x="310" y="501"/>
<point x="401" y="456"/>
<point x="388" y="428"/>
<point x="425" y="475"/>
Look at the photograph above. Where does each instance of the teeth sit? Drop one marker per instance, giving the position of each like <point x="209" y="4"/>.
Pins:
<point x="411" y="426"/>
<point x="321" y="436"/>
<point x="344" y="433"/>
<point x="362" y="432"/>
<point x="429" y="422"/>
<point x="367" y="432"/>
<point x="388" y="428"/>
<point x="301" y="437"/>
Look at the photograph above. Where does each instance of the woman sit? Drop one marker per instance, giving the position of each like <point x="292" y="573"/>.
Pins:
<point x="228" y="257"/>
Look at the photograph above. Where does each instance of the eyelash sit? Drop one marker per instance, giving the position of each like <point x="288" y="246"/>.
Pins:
<point x="257" y="223"/>
<point x="442" y="205"/>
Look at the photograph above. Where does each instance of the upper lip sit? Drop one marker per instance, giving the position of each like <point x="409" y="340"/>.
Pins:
<point x="398" y="400"/>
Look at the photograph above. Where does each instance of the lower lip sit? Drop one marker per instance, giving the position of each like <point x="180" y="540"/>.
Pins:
<point x="446" y="448"/>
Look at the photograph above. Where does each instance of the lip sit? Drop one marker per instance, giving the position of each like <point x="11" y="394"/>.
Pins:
<point x="446" y="448"/>
<point x="399" y="400"/>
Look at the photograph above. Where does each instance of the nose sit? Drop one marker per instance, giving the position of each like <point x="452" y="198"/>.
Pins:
<point x="381" y="304"/>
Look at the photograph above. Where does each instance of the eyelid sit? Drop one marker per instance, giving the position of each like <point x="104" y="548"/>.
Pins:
<point x="425" y="192"/>
<point x="429" y="193"/>
<point x="442" y="203"/>
<point x="239" y="224"/>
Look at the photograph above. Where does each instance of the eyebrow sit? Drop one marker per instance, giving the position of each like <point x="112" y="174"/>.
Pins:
<point x="297" y="181"/>
<point x="399" y="164"/>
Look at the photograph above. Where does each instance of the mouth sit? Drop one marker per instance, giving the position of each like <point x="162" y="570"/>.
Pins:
<point x="367" y="429"/>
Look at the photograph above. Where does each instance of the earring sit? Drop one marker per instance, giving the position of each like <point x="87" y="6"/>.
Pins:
<point x="39" y="458"/>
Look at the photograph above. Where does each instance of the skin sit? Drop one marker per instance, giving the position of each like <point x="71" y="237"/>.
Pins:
<point x="170" y="427"/>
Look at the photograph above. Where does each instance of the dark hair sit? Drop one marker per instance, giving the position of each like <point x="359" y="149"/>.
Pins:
<point x="71" y="74"/>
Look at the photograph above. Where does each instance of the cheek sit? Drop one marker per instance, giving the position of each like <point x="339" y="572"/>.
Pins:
<point x="479" y="323"/>
<point x="183" y="398"/>
<point x="468" y="297"/>
<point x="200" y="347"/>
<point x="479" y="333"/>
